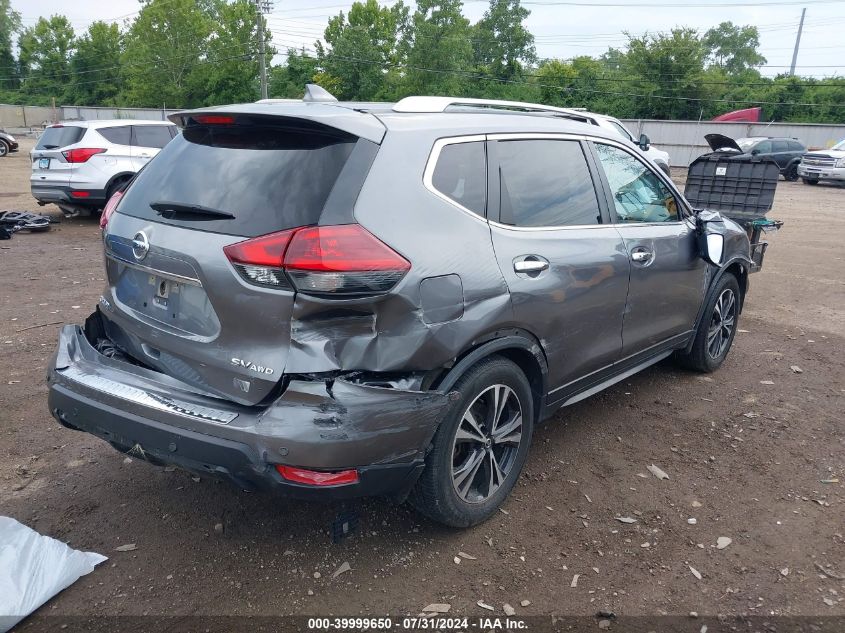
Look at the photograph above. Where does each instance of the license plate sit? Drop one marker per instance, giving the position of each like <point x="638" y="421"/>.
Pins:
<point x="43" y="163"/>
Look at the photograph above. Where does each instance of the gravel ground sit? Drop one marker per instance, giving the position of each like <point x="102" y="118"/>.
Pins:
<point x="762" y="464"/>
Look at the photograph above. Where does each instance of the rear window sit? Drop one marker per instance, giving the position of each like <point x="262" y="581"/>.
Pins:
<point x="119" y="135"/>
<point x="152" y="135"/>
<point x="269" y="177"/>
<point x="56" y="137"/>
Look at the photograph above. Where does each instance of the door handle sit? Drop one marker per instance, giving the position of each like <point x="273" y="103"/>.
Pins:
<point x="641" y="256"/>
<point x="530" y="265"/>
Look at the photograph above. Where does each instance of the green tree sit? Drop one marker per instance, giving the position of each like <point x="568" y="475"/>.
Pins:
<point x="668" y="69"/>
<point x="733" y="48"/>
<point x="363" y="47"/>
<point x="287" y="81"/>
<point x="502" y="44"/>
<point x="10" y="23"/>
<point x="441" y="51"/>
<point x="229" y="73"/>
<point x="95" y="66"/>
<point x="44" y="61"/>
<point x="164" y="45"/>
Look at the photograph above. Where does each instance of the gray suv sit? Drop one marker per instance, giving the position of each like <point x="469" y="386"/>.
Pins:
<point x="344" y="299"/>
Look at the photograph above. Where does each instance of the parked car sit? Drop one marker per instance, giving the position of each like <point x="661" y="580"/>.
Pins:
<point x="823" y="165"/>
<point x="342" y="299"/>
<point x="616" y="126"/>
<point x="786" y="152"/>
<point x="79" y="165"/>
<point x="8" y="144"/>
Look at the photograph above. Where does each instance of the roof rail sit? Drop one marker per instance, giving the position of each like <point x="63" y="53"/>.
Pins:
<point x="440" y="104"/>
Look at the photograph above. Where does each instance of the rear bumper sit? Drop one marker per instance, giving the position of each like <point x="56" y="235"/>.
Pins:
<point x="59" y="194"/>
<point x="382" y="433"/>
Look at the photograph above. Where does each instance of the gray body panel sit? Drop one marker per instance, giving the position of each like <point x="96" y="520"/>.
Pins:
<point x="351" y="378"/>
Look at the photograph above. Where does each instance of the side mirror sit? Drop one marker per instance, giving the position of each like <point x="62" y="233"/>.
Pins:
<point x="711" y="244"/>
<point x="644" y="142"/>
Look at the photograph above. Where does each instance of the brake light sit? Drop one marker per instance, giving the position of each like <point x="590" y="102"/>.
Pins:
<point x="327" y="260"/>
<point x="214" y="119"/>
<point x="318" y="477"/>
<point x="108" y="210"/>
<point x="81" y="154"/>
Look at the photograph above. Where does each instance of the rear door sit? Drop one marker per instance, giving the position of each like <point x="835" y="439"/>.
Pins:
<point x="667" y="275"/>
<point x="565" y="265"/>
<point x="174" y="300"/>
<point x="147" y="141"/>
<point x="49" y="166"/>
<point x="781" y="153"/>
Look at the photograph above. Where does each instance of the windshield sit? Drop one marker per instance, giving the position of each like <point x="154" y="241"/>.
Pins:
<point x="745" y="144"/>
<point x="60" y="136"/>
<point x="840" y="146"/>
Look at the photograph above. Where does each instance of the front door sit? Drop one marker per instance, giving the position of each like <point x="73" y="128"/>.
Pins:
<point x="668" y="277"/>
<point x="565" y="265"/>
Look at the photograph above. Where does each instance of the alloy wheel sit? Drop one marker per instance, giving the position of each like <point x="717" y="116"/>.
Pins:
<point x="722" y="323"/>
<point x="486" y="443"/>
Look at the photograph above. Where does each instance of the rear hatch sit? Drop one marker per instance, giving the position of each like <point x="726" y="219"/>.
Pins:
<point x="49" y="165"/>
<point x="177" y="301"/>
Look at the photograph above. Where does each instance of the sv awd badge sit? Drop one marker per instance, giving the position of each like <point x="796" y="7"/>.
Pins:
<point x="252" y="366"/>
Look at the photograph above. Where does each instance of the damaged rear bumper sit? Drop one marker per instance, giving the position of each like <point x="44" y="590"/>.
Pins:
<point x="380" y="432"/>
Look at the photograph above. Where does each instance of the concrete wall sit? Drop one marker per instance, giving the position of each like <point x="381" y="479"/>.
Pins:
<point x="22" y="117"/>
<point x="684" y="140"/>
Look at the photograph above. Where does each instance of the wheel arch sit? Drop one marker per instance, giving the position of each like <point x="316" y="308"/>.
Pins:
<point x="518" y="346"/>
<point x="739" y="268"/>
<point x="123" y="175"/>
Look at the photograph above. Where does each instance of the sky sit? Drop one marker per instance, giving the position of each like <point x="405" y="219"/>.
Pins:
<point x="562" y="29"/>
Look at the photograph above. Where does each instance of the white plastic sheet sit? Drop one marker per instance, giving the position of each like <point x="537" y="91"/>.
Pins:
<point x="33" y="569"/>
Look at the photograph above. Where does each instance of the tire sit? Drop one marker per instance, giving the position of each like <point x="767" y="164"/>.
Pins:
<point x="791" y="173"/>
<point x="458" y="486"/>
<point x="4" y="148"/>
<point x="810" y="181"/>
<point x="711" y="346"/>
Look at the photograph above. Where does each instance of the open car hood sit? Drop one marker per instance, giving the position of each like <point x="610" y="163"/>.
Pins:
<point x="720" y="141"/>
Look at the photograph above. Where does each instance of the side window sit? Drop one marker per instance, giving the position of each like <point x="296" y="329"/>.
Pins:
<point x="461" y="175"/>
<point x="763" y="147"/>
<point x="638" y="193"/>
<point x="623" y="131"/>
<point x="546" y="183"/>
<point x="151" y="135"/>
<point x="780" y="146"/>
<point x="117" y="135"/>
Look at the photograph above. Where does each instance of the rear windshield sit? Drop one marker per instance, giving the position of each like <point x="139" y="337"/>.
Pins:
<point x="269" y="177"/>
<point x="56" y="137"/>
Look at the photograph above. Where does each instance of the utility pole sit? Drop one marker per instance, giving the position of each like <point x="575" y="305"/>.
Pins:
<point x="797" y="43"/>
<point x="262" y="7"/>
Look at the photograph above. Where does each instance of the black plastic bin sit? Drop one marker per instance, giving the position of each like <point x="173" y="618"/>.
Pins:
<point x="740" y="187"/>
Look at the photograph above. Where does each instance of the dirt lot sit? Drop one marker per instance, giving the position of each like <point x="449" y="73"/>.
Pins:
<point x="748" y="460"/>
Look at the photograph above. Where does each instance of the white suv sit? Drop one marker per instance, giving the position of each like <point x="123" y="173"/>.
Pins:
<point x="659" y="157"/>
<point x="79" y="165"/>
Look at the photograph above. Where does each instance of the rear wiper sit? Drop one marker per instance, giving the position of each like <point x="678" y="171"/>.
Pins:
<point x="164" y="207"/>
<point x="48" y="146"/>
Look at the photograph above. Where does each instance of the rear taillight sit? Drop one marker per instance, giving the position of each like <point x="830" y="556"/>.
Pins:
<point x="81" y="154"/>
<point x="108" y="210"/>
<point x="318" y="477"/>
<point x="338" y="260"/>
